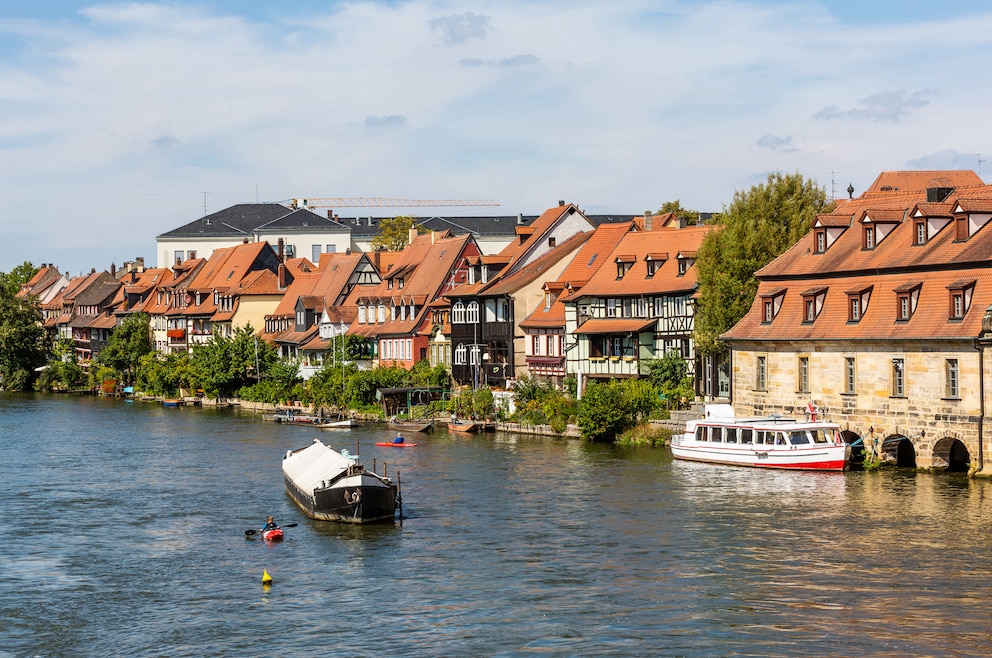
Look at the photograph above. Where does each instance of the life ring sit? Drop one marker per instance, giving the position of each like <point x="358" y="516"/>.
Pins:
<point x="353" y="499"/>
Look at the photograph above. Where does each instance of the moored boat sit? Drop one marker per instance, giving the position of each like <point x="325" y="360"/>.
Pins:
<point x="465" y="426"/>
<point x="764" y="442"/>
<point x="334" y="486"/>
<point x="337" y="424"/>
<point x="424" y="425"/>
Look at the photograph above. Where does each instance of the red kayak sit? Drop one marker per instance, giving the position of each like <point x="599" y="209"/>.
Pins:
<point x="275" y="534"/>
<point x="390" y="444"/>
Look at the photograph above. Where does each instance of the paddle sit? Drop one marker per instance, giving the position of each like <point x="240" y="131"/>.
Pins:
<point x="249" y="533"/>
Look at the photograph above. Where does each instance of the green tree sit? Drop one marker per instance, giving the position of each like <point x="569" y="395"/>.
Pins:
<point x="759" y="225"/>
<point x="225" y="365"/>
<point x="602" y="412"/>
<point x="130" y="341"/>
<point x="394" y="233"/>
<point x="691" y="217"/>
<point x="22" y="347"/>
<point x="670" y="376"/>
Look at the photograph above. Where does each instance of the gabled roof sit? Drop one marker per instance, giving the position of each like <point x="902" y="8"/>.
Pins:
<point x="593" y="254"/>
<point x="301" y="221"/>
<point x="900" y="183"/>
<point x="529" y="273"/>
<point x="636" y="281"/>
<point x="238" y="221"/>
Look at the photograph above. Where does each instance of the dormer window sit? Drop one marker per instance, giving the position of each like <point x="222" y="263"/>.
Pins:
<point x="869" y="242"/>
<point x="960" y="298"/>
<point x="857" y="304"/>
<point x="651" y="268"/>
<point x="906" y="298"/>
<point x="400" y="283"/>
<point x="771" y="304"/>
<point x="813" y="303"/>
<point x="920" y="232"/>
<point x="624" y="263"/>
<point x="653" y="262"/>
<point x="389" y="284"/>
<point x="684" y="264"/>
<point x="821" y="240"/>
<point x="549" y="299"/>
<point x="551" y="243"/>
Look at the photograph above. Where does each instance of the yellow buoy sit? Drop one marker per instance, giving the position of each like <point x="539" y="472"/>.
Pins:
<point x="266" y="578"/>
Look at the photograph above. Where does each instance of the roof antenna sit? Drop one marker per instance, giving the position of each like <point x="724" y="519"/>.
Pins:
<point x="980" y="161"/>
<point x="204" y="204"/>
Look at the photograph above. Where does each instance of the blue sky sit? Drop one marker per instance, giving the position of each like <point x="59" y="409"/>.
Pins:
<point x="120" y="121"/>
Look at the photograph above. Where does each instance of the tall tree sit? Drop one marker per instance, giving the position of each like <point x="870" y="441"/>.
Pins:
<point x="394" y="233"/>
<point x="759" y="225"/>
<point x="21" y="335"/>
<point x="128" y="343"/>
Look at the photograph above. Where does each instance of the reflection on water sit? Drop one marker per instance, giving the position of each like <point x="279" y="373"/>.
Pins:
<point x="132" y="541"/>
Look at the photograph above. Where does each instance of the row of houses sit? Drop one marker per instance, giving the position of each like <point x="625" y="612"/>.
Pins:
<point x="563" y="296"/>
<point x="878" y="317"/>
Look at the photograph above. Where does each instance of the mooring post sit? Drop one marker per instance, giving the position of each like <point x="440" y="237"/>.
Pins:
<point x="399" y="495"/>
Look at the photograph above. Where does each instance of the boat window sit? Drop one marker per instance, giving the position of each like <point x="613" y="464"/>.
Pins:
<point x="798" y="438"/>
<point x="716" y="434"/>
<point x="779" y="438"/>
<point x="701" y="433"/>
<point x="731" y="435"/>
<point x="746" y="436"/>
<point x="759" y="437"/>
<point x="819" y="436"/>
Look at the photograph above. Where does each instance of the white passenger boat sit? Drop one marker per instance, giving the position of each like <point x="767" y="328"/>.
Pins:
<point x="765" y="442"/>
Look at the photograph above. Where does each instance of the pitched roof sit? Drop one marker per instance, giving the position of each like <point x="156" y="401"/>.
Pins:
<point x="239" y="220"/>
<point x="636" y="281"/>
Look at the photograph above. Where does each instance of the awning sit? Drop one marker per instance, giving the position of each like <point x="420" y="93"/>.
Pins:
<point x="614" y="326"/>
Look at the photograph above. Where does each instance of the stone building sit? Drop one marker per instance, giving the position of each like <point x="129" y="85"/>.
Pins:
<point x="874" y="319"/>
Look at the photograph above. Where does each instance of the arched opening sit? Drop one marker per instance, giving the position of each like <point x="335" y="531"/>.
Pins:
<point x="856" y="460"/>
<point x="951" y="455"/>
<point x="898" y="451"/>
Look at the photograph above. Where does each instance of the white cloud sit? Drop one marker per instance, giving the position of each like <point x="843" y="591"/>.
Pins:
<point x="116" y="120"/>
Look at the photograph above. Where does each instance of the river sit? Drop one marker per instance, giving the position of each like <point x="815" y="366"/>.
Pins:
<point x="126" y="536"/>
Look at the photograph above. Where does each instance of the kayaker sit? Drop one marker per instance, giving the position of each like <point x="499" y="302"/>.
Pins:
<point x="399" y="439"/>
<point x="269" y="524"/>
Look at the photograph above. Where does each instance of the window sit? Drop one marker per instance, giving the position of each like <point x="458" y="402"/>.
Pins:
<point x="473" y="356"/>
<point x="651" y="268"/>
<point x="760" y="373"/>
<point x="803" y="374"/>
<point x="850" y="375"/>
<point x="869" y="237"/>
<point x="904" y="307"/>
<point x="471" y="275"/>
<point x="179" y="256"/>
<point x="642" y="307"/>
<point x="854" y="311"/>
<point x="549" y="299"/>
<point x="382" y="313"/>
<point x="921" y="233"/>
<point x="472" y="313"/>
<point x="771" y="304"/>
<point x="460" y="355"/>
<point x="551" y="242"/>
<point x="898" y="377"/>
<point x="952" y="389"/>
<point x="821" y="241"/>
<point x="458" y="313"/>
<point x="315" y="253"/>
<point x="960" y="298"/>
<point x="330" y="248"/>
<point x="536" y="346"/>
<point x="613" y="308"/>
<point x="684" y="264"/>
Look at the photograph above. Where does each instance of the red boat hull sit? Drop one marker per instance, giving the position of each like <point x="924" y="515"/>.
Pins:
<point x="272" y="535"/>
<point x="390" y="444"/>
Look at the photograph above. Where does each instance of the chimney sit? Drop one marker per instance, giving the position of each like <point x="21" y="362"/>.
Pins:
<point x="561" y="202"/>
<point x="520" y="219"/>
<point x="433" y="237"/>
<point x="244" y="240"/>
<point x="648" y="220"/>
<point x="413" y="234"/>
<point x="282" y="275"/>
<point x="134" y="276"/>
<point x="330" y="215"/>
<point x="683" y="222"/>
<point x="140" y="260"/>
<point x="113" y="269"/>
<point x="370" y="221"/>
<point x="282" y="252"/>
